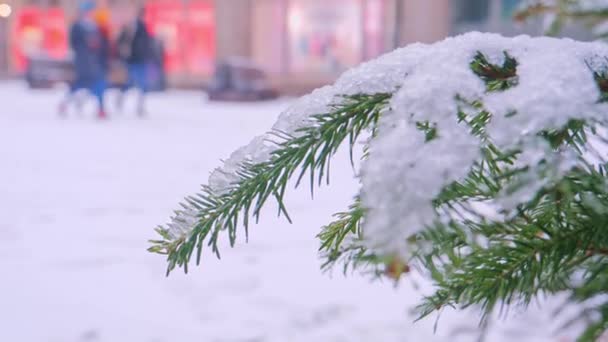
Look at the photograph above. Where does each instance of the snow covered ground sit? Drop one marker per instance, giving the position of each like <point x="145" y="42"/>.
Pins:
<point x="79" y="199"/>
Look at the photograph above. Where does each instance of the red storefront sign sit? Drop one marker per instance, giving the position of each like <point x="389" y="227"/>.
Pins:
<point x="187" y="31"/>
<point x="55" y="42"/>
<point x="199" y="36"/>
<point x="188" y="34"/>
<point x="27" y="36"/>
<point x="38" y="32"/>
<point x="163" y="18"/>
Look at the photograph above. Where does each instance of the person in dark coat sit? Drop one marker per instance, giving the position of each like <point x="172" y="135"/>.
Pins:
<point x="136" y="47"/>
<point x="90" y="50"/>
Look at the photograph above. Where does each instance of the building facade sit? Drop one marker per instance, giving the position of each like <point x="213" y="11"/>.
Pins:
<point x="305" y="43"/>
<point x="300" y="43"/>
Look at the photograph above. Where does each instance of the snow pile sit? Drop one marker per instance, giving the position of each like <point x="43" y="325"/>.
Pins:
<point x="404" y="173"/>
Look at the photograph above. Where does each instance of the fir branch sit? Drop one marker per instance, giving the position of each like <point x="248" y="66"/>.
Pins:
<point x="474" y="261"/>
<point x="342" y="243"/>
<point x="333" y="236"/>
<point x="308" y="152"/>
<point x="553" y="241"/>
<point x="429" y="130"/>
<point x="496" y="77"/>
<point x="601" y="80"/>
<point x="537" y="251"/>
<point x="487" y="176"/>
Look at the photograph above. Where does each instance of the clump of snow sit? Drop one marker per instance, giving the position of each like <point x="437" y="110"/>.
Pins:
<point x="382" y="75"/>
<point x="404" y="172"/>
<point x="298" y="114"/>
<point x="182" y="223"/>
<point x="555" y="84"/>
<point x="257" y="151"/>
<point x="542" y="167"/>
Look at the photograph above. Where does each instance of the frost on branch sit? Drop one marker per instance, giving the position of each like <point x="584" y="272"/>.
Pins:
<point x="443" y="117"/>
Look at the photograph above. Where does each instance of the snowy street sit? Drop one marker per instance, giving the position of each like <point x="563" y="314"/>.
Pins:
<point x="79" y="200"/>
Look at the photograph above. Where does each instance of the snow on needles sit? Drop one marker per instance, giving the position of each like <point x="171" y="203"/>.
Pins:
<point x="403" y="172"/>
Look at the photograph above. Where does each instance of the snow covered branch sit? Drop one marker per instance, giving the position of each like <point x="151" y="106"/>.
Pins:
<point x="261" y="171"/>
<point x="486" y="164"/>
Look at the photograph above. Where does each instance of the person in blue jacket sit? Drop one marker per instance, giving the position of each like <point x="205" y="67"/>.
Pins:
<point x="90" y="50"/>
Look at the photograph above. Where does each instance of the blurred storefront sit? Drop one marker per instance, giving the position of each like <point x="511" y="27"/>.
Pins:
<point x="309" y="42"/>
<point x="186" y="28"/>
<point x="306" y="43"/>
<point x="37" y="30"/>
<point x="300" y="43"/>
<point x="490" y="16"/>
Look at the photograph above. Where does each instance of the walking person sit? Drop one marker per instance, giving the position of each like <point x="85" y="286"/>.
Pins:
<point x="136" y="49"/>
<point x="90" y="49"/>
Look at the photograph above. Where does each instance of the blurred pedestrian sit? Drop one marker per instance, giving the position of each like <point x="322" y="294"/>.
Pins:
<point x="136" y="47"/>
<point x="90" y="49"/>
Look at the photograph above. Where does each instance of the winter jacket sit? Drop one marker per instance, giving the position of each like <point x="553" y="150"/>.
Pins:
<point x="91" y="51"/>
<point x="136" y="45"/>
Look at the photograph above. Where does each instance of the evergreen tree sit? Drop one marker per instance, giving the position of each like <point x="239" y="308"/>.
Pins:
<point x="484" y="167"/>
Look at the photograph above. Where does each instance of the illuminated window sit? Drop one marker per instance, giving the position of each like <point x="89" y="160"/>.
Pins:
<point x="324" y="36"/>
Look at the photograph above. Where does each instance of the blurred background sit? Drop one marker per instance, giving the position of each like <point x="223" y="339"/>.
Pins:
<point x="301" y="44"/>
<point x="79" y="197"/>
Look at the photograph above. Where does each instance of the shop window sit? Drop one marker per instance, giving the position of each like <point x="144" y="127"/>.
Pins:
<point x="374" y="13"/>
<point x="38" y="31"/>
<point x="325" y="36"/>
<point x="187" y="31"/>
